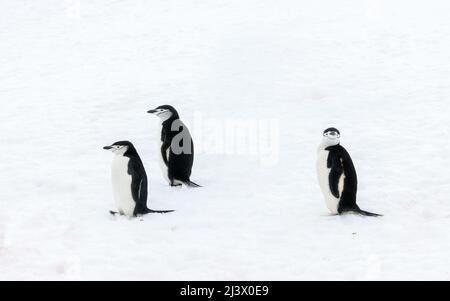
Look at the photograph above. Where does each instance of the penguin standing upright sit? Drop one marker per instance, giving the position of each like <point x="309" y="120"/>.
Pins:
<point x="337" y="175"/>
<point x="177" y="147"/>
<point x="129" y="181"/>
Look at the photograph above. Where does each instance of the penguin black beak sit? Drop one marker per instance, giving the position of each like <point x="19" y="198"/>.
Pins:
<point x="152" y="112"/>
<point x="107" y="147"/>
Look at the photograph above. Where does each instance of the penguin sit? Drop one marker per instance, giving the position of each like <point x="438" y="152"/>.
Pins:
<point x="337" y="175"/>
<point x="176" y="153"/>
<point x="129" y="181"/>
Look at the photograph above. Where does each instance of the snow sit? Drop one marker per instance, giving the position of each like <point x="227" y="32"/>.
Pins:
<point x="78" y="75"/>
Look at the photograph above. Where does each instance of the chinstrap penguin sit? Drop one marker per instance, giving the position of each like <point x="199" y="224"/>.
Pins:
<point x="129" y="181"/>
<point x="337" y="175"/>
<point x="177" y="147"/>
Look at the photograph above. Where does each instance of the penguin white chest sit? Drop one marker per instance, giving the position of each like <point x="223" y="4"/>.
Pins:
<point x="121" y="181"/>
<point x="323" y="173"/>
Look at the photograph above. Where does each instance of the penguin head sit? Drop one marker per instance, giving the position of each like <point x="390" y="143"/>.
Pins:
<point x="119" y="148"/>
<point x="331" y="136"/>
<point x="165" y="112"/>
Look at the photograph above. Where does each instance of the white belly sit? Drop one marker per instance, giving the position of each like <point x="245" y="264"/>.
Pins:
<point x="162" y="165"/>
<point x="322" y="173"/>
<point x="121" y="182"/>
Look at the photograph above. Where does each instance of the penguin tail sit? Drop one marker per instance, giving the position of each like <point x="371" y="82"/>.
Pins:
<point x="159" y="211"/>
<point x="367" y="213"/>
<point x="191" y="184"/>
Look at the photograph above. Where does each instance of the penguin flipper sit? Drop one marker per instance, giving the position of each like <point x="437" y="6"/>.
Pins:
<point x="165" y="147"/>
<point x="139" y="189"/>
<point x="336" y="171"/>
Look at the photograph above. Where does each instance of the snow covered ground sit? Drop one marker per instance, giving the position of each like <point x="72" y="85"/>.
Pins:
<point x="78" y="75"/>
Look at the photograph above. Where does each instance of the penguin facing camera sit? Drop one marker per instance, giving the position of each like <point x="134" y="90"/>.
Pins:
<point x="337" y="175"/>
